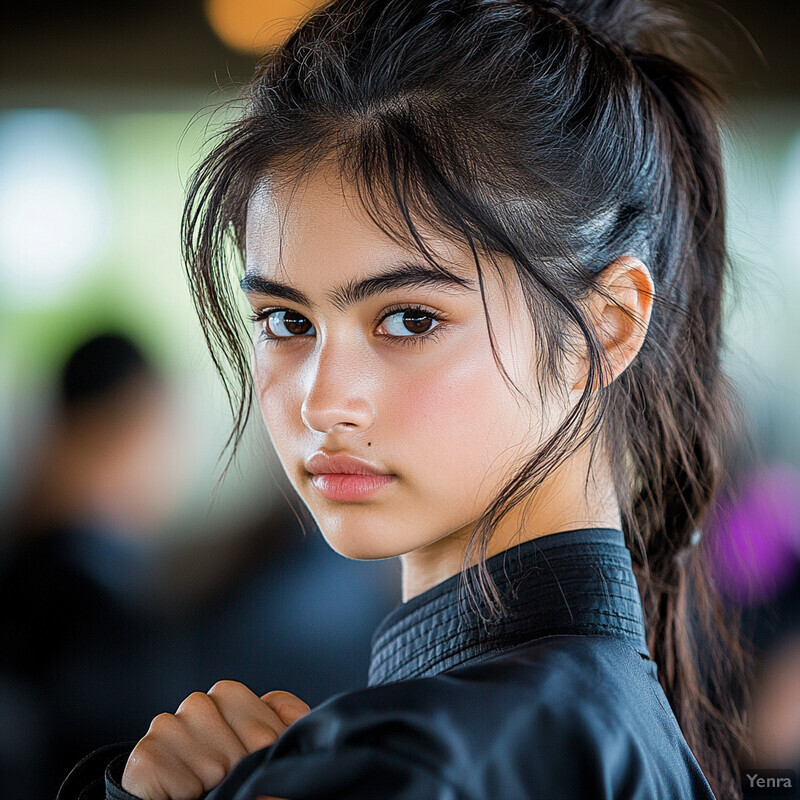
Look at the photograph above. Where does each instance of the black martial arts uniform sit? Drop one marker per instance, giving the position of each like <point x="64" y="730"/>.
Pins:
<point x="558" y="702"/>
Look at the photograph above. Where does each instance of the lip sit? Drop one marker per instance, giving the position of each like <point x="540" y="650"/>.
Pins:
<point x="341" y="463"/>
<point x="348" y="488"/>
<point x="345" y="478"/>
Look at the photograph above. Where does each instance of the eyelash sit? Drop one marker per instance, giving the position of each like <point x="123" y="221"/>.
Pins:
<point x="412" y="339"/>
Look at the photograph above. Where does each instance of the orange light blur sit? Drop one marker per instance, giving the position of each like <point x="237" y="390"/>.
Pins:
<point x="253" y="26"/>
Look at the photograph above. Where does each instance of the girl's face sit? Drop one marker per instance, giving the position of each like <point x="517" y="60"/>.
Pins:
<point x="363" y="350"/>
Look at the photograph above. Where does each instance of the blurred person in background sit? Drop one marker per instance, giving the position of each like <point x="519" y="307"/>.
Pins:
<point x="80" y="571"/>
<point x="774" y="713"/>
<point x="105" y="623"/>
<point x="268" y="602"/>
<point x="754" y="536"/>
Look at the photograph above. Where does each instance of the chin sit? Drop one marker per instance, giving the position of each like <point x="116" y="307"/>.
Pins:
<point x="362" y="540"/>
<point x="361" y="548"/>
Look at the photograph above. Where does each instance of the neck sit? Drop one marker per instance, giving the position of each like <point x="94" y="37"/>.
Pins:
<point x="563" y="502"/>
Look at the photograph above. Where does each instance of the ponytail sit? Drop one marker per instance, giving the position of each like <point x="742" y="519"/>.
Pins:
<point x="691" y="421"/>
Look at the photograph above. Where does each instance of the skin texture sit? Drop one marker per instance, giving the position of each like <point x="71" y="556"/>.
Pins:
<point x="436" y="413"/>
<point x="189" y="752"/>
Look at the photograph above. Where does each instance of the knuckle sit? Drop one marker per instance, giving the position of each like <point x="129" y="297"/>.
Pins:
<point x="226" y="687"/>
<point x="277" y="697"/>
<point x="195" y="703"/>
<point x="141" y="758"/>
<point x="144" y="758"/>
<point x="164" y="724"/>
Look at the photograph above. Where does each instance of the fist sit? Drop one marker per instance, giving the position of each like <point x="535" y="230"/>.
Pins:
<point x="189" y="752"/>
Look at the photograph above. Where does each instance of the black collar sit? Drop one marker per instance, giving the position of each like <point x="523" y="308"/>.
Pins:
<point x="571" y="582"/>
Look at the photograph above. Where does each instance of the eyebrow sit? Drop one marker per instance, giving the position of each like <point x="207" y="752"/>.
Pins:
<point x="409" y="274"/>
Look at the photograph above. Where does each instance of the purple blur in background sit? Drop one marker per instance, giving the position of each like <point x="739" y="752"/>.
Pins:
<point x="756" y="535"/>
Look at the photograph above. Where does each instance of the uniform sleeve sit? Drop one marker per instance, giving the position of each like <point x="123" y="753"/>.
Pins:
<point x="399" y="764"/>
<point x="449" y="739"/>
<point x="356" y="746"/>
<point x="354" y="773"/>
<point x="422" y="740"/>
<point x="362" y="745"/>
<point x="348" y="749"/>
<point x="452" y="737"/>
<point x="87" y="779"/>
<point x="98" y="776"/>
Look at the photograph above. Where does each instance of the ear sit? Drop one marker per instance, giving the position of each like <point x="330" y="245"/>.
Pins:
<point x="620" y="319"/>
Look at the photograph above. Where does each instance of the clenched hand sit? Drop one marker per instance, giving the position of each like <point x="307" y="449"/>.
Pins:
<point x="189" y="752"/>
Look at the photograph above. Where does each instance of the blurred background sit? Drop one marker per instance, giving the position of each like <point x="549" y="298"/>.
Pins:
<point x="125" y="581"/>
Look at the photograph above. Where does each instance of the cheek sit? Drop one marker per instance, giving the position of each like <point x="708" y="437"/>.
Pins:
<point x="449" y="428"/>
<point x="454" y="424"/>
<point x="280" y="404"/>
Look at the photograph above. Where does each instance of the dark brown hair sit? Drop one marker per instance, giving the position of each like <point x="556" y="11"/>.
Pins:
<point x="560" y="135"/>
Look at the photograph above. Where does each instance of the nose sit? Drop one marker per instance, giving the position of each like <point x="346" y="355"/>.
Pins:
<point x="337" y="399"/>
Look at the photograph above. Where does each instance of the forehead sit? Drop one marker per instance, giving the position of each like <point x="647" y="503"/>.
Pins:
<point x="318" y="221"/>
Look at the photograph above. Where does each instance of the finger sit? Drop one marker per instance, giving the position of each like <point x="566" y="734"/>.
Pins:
<point x="155" y="771"/>
<point x="181" y="784"/>
<point x="215" y="747"/>
<point x="253" y="721"/>
<point x="289" y="707"/>
<point x="175" y="781"/>
<point x="198" y="738"/>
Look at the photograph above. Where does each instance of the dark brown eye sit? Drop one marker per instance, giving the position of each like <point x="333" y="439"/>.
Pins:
<point x="285" y="323"/>
<point x="416" y="322"/>
<point x="408" y="321"/>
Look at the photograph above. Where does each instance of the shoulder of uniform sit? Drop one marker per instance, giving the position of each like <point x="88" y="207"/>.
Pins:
<point x="580" y="686"/>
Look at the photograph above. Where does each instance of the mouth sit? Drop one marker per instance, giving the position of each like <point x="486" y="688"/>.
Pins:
<point x="343" y="487"/>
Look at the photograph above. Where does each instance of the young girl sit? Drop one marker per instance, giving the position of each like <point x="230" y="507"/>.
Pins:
<point x="484" y="246"/>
